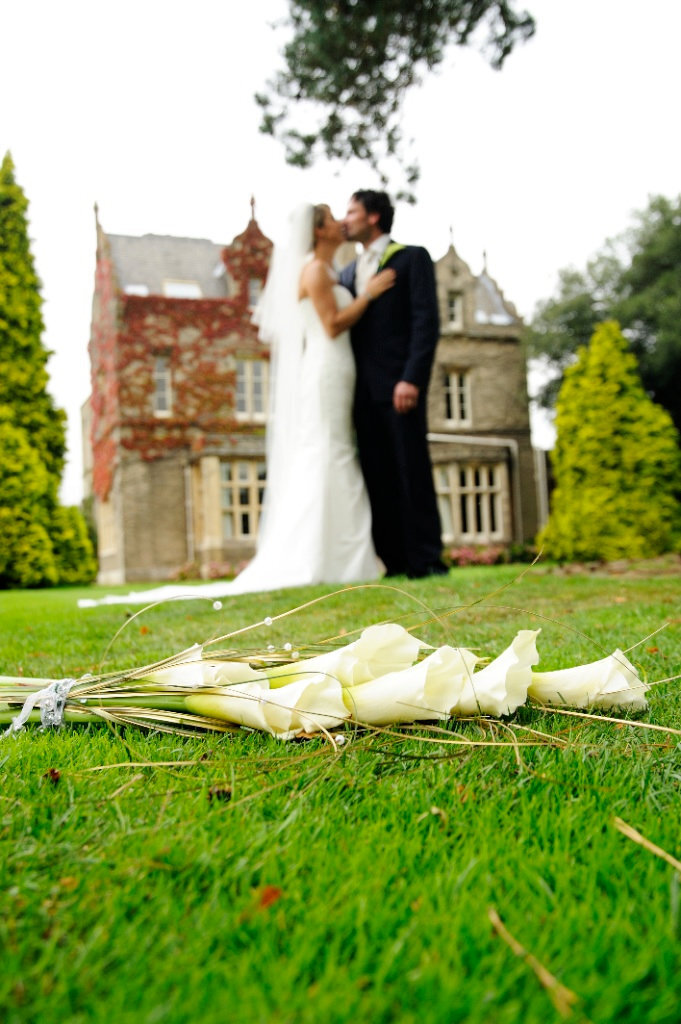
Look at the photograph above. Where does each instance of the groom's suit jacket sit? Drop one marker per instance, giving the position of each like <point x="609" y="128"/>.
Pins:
<point x="395" y="339"/>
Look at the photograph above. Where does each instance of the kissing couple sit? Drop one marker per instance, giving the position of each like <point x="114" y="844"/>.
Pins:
<point x="348" y="469"/>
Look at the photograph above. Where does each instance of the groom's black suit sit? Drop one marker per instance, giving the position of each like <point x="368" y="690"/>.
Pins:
<point x="395" y="341"/>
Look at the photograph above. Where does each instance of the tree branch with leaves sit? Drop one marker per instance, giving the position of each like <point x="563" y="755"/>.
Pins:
<point x="350" y="63"/>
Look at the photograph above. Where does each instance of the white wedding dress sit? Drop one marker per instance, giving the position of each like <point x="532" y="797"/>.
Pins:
<point x="321" y="523"/>
<point x="318" y="526"/>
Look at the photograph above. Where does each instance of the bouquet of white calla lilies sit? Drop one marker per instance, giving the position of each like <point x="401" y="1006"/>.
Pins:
<point x="376" y="680"/>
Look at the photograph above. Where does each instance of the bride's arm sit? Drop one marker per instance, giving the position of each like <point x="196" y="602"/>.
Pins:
<point x="316" y="284"/>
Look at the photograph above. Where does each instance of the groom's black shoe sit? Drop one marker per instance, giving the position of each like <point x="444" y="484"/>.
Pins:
<point x="436" y="569"/>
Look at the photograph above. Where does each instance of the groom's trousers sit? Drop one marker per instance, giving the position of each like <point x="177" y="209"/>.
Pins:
<point x="393" y="451"/>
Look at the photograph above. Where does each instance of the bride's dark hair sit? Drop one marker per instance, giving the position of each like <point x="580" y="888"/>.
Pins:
<point x="319" y="213"/>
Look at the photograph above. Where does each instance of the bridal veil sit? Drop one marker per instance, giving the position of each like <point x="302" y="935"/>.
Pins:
<point x="280" y="324"/>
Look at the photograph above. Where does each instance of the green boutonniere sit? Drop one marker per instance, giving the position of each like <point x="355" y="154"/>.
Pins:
<point x="390" y="251"/>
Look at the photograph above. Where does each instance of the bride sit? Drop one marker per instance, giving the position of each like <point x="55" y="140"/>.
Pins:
<point x="316" y="521"/>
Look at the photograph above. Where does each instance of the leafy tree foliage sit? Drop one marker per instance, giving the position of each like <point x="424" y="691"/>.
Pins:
<point x="635" y="279"/>
<point x="26" y="558"/>
<point x="73" y="551"/>
<point x="26" y="555"/>
<point x="616" y="461"/>
<point x="649" y="302"/>
<point x="352" y="61"/>
<point x="37" y="537"/>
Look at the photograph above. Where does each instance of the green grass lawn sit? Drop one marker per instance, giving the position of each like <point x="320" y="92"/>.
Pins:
<point x="158" y="878"/>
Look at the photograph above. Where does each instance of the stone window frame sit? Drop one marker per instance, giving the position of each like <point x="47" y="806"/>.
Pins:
<point x="255" y="287"/>
<point x="242" y="489"/>
<point x="181" y="288"/>
<point x="162" y="396"/>
<point x="456" y="392"/>
<point x="454" y="305"/>
<point x="251" y="396"/>
<point x="470" y="497"/>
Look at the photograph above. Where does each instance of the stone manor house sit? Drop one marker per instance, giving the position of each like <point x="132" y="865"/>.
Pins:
<point x="174" y="429"/>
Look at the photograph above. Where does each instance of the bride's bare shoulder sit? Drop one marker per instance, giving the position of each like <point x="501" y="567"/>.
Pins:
<point x="315" y="274"/>
<point x="314" y="267"/>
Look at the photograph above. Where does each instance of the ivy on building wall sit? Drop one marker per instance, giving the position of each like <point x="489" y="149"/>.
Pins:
<point x="200" y="337"/>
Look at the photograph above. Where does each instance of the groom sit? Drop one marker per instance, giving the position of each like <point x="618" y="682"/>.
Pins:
<point x="394" y="345"/>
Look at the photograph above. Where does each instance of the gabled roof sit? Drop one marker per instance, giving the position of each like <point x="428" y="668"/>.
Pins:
<point x="150" y="260"/>
<point x="490" y="305"/>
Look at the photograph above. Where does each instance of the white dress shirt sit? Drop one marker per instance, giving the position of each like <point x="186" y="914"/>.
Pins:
<point x="367" y="262"/>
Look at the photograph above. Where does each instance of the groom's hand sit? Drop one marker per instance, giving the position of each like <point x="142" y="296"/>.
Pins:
<point x="405" y="396"/>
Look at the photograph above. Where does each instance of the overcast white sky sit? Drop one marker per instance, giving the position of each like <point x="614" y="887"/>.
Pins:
<point x="145" y="107"/>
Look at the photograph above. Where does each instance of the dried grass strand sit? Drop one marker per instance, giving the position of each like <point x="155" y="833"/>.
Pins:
<point x="325" y="597"/>
<point x="646" y="638"/>
<point x="607" y="718"/>
<point x="636" y="837"/>
<point x="562" y="997"/>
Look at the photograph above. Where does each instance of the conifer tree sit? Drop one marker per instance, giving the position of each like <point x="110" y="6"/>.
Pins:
<point x="616" y="461"/>
<point x="23" y="357"/>
<point x="36" y="536"/>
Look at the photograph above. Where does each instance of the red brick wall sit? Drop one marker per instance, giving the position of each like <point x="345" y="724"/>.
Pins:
<point x="104" y="379"/>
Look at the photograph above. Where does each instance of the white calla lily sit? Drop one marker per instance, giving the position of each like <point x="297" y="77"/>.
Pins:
<point x="380" y="649"/>
<point x="190" y="670"/>
<point x="422" y="692"/>
<point x="305" y="706"/>
<point x="242" y="705"/>
<point x="611" y="682"/>
<point x="185" y="671"/>
<point x="501" y="687"/>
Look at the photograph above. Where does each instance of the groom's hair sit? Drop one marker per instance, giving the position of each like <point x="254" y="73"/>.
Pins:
<point x="377" y="202"/>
